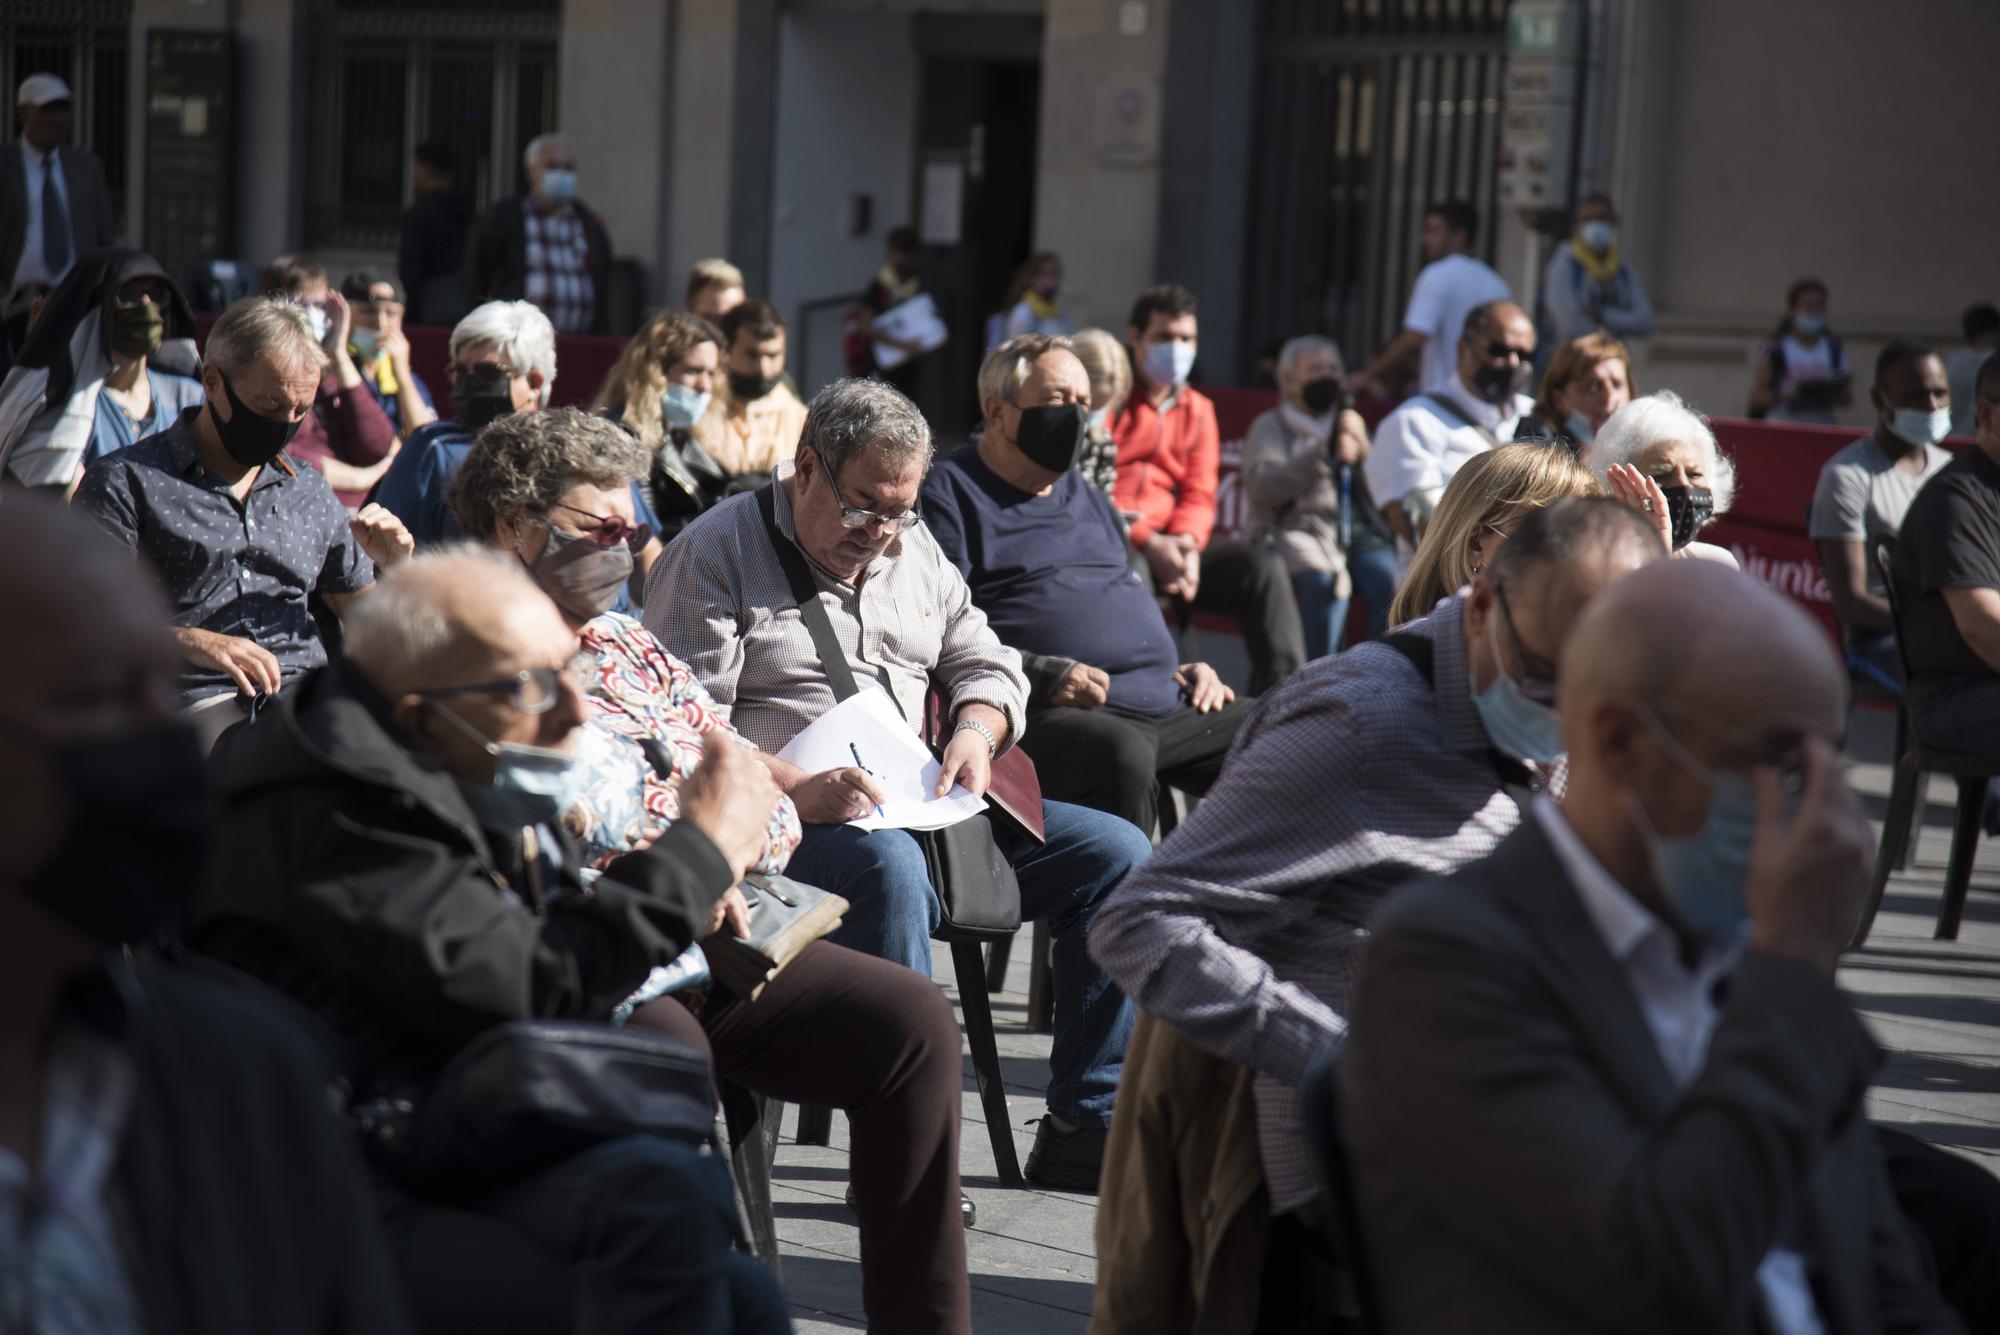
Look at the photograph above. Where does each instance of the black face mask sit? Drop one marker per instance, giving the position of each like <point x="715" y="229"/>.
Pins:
<point x="1690" y="508"/>
<point x="746" y="388"/>
<point x="138" y="829"/>
<point x="1499" y="382"/>
<point x="1051" y="435"/>
<point x="482" y="395"/>
<point x="251" y="438"/>
<point x="1320" y="395"/>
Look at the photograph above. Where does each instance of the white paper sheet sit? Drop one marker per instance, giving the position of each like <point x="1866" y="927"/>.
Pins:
<point x="917" y="319"/>
<point x="865" y="730"/>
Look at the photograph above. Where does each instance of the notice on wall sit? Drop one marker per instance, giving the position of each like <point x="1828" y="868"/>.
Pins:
<point x="943" y="218"/>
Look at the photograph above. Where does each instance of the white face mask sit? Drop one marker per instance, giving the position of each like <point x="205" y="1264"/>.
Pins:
<point x="682" y="407"/>
<point x="1920" y="427"/>
<point x="1597" y="235"/>
<point x="316" y="316"/>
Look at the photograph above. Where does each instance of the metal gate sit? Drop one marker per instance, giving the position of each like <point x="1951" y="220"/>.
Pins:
<point x="1367" y="112"/>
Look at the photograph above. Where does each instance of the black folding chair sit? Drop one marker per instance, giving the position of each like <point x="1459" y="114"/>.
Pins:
<point x="1906" y="799"/>
<point x="1319" y="1106"/>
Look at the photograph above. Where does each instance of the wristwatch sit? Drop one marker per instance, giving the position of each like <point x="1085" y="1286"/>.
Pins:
<point x="974" y="725"/>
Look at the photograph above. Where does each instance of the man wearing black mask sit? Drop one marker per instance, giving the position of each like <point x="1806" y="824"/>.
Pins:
<point x="244" y="540"/>
<point x="761" y="416"/>
<point x="1422" y="444"/>
<point x="1112" y="712"/>
<point x="159" y="1130"/>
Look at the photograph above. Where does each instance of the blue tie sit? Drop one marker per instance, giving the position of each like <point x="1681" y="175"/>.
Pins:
<point x="55" y="222"/>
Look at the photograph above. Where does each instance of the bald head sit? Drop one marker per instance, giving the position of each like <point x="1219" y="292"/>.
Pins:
<point x="1495" y="349"/>
<point x="438" y="617"/>
<point x="1698" y="639"/>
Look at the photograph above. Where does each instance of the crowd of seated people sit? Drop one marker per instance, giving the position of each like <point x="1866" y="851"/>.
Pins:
<point x="460" y="723"/>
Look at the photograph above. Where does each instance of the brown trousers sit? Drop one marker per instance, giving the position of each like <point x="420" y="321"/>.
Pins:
<point x="840" y="1029"/>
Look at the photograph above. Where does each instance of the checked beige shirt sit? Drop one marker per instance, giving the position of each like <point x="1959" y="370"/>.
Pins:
<point x="718" y="600"/>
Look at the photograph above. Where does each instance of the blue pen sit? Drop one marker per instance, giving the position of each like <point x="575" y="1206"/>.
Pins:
<point x="855" y="751"/>
<point x="1346" y="506"/>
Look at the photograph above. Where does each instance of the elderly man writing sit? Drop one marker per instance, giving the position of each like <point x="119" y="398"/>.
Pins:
<point x="1603" y="1078"/>
<point x="240" y="536"/>
<point x="444" y="899"/>
<point x="1113" y="713"/>
<point x="719" y="600"/>
<point x="1395" y="760"/>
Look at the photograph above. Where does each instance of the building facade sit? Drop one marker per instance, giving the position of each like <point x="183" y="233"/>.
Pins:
<point x="1275" y="155"/>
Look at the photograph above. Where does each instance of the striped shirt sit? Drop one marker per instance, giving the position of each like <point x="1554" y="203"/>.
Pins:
<point x="1244" y="931"/>
<point x="558" y="269"/>
<point x="718" y="600"/>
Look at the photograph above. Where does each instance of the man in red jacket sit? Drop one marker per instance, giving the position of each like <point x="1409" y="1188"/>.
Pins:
<point x="1167" y="453"/>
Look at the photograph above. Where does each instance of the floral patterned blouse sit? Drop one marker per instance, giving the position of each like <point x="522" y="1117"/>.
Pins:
<point x="638" y="692"/>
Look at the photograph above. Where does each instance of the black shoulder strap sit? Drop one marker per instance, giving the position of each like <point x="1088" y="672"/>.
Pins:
<point x="1418" y="649"/>
<point x="805" y="592"/>
<point x="1520" y="782"/>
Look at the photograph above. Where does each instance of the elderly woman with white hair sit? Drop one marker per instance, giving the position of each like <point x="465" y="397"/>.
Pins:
<point x="1308" y="496"/>
<point x="1657" y="455"/>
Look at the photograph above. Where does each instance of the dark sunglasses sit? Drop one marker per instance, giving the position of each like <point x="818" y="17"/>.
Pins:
<point x="610" y="530"/>
<point x="1500" y="352"/>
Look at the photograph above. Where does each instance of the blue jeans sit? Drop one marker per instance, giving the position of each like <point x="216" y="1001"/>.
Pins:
<point x="1324" y="616"/>
<point x="1373" y="572"/>
<point x="894" y="910"/>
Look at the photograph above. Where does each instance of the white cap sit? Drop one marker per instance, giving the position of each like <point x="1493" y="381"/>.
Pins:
<point x="38" y="90"/>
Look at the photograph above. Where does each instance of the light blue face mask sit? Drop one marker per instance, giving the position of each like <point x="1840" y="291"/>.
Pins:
<point x="559" y="185"/>
<point x="1920" y="427"/>
<point x="1809" y="326"/>
<point x="1168" y="363"/>
<point x="1523" y="728"/>
<point x="365" y="342"/>
<point x="1579" y="429"/>
<point x="682" y="407"/>
<point x="1705" y="875"/>
<point x="1597" y="235"/>
<point x="538" y="771"/>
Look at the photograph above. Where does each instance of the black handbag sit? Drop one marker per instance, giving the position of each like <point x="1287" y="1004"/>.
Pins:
<point x="975" y="884"/>
<point x="526" y="1094"/>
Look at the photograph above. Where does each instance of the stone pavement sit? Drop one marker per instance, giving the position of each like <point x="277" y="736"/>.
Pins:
<point x="1934" y="1006"/>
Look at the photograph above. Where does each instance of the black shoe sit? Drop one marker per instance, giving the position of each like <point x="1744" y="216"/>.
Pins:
<point x="1067" y="1160"/>
<point x="968" y="1213"/>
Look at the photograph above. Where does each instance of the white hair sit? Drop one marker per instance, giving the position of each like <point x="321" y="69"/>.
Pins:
<point x="554" y="139"/>
<point x="407" y="628"/>
<point x="1647" y="423"/>
<point x="1295" y="351"/>
<point x="520" y="332"/>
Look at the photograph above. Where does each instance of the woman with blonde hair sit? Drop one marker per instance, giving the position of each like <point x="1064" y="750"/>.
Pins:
<point x="1588" y="379"/>
<point x="660" y="390"/>
<point x="1487" y="497"/>
<point x="1109" y="368"/>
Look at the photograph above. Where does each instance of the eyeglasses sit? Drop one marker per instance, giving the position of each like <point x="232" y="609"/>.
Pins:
<point x="610" y="530"/>
<point x="1497" y="351"/>
<point x="533" y="691"/>
<point x="460" y="371"/>
<point x="153" y="292"/>
<point x="854" y="517"/>
<point x="1538" y="676"/>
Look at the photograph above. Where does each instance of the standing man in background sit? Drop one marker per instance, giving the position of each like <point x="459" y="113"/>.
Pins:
<point x="1451" y="284"/>
<point x="545" y="246"/>
<point x="433" y="245"/>
<point x="54" y="204"/>
<point x="1588" y="286"/>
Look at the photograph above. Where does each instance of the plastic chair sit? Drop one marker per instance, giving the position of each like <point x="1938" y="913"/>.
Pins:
<point x="1906" y="797"/>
